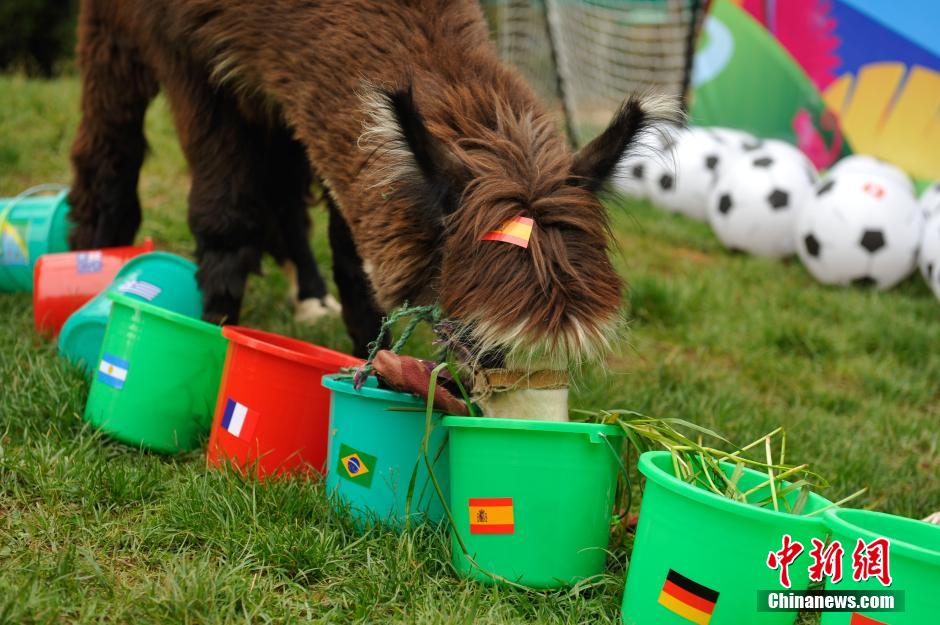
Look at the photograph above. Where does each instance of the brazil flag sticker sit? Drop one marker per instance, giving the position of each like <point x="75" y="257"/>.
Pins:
<point x="356" y="466"/>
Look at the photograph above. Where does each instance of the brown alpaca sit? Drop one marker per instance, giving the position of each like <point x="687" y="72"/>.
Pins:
<point x="423" y="140"/>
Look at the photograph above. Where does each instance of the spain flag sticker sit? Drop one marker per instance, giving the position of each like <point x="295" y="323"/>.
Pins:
<point x="688" y="599"/>
<point x="356" y="466"/>
<point x="492" y="515"/>
<point x="517" y="231"/>
<point x="858" y="619"/>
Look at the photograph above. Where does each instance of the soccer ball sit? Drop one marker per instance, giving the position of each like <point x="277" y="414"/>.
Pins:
<point x="930" y="200"/>
<point x="683" y="185"/>
<point x="754" y="205"/>
<point x="784" y="150"/>
<point x="859" y="229"/>
<point x="632" y="177"/>
<point x="628" y="178"/>
<point x="863" y="164"/>
<point x="930" y="254"/>
<point x="734" y="139"/>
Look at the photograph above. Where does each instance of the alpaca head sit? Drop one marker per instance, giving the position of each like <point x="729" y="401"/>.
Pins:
<point x="545" y="297"/>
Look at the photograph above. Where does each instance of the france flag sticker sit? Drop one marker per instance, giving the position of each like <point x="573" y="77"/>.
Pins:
<point x="112" y="371"/>
<point x="238" y="419"/>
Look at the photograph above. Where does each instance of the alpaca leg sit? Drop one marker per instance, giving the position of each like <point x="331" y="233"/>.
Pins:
<point x="361" y="314"/>
<point x="109" y="147"/>
<point x="228" y="210"/>
<point x="289" y="179"/>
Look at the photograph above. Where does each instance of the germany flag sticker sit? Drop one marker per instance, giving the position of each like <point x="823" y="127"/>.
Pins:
<point x="858" y="619"/>
<point x="688" y="599"/>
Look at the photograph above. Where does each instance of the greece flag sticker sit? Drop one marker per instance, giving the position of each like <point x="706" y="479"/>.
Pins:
<point x="112" y="371"/>
<point x="144" y="290"/>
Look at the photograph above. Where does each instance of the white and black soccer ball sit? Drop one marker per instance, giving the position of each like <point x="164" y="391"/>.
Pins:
<point x="930" y="200"/>
<point x="784" y="150"/>
<point x="860" y="229"/>
<point x="628" y="178"/>
<point x="740" y="141"/>
<point x="653" y="154"/>
<point x="929" y="254"/>
<point x="734" y="139"/>
<point x="864" y="164"/>
<point x="754" y="205"/>
<point x="682" y="185"/>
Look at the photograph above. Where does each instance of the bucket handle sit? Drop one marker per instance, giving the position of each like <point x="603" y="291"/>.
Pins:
<point x="623" y="471"/>
<point x="39" y="188"/>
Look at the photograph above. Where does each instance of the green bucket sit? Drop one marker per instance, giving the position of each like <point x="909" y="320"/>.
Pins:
<point x="532" y="500"/>
<point x="713" y="549"/>
<point x="914" y="556"/>
<point x="157" y="378"/>
<point x="30" y="225"/>
<point x="159" y="278"/>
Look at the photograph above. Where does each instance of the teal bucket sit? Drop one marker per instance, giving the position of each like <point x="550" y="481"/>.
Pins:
<point x="914" y="557"/>
<point x="374" y="446"/>
<point x="159" y="278"/>
<point x="30" y="225"/>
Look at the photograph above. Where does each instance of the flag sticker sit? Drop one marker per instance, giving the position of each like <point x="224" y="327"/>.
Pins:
<point x="491" y="515"/>
<point x="113" y="371"/>
<point x="239" y="420"/>
<point x="517" y="231"/>
<point x="688" y="599"/>
<point x="356" y="466"/>
<point x="141" y="289"/>
<point x="89" y="262"/>
<point x="13" y="248"/>
<point x="858" y="619"/>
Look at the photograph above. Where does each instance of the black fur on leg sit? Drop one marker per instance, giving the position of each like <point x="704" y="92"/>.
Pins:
<point x="109" y="147"/>
<point x="360" y="312"/>
<point x="288" y="191"/>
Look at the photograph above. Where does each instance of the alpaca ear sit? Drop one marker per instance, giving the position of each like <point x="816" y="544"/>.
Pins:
<point x="594" y="164"/>
<point x="436" y="178"/>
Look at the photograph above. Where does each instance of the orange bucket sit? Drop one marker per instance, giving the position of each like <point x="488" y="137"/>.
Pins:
<point x="62" y="283"/>
<point x="272" y="414"/>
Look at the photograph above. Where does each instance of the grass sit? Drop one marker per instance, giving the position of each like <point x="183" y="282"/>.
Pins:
<point x="92" y="531"/>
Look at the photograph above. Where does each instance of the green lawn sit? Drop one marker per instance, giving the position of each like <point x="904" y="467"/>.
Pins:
<point x="92" y="531"/>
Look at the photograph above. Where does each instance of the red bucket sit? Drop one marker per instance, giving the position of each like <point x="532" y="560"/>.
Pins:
<point x="62" y="283"/>
<point x="272" y="411"/>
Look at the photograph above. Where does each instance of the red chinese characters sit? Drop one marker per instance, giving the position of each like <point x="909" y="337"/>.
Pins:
<point x="784" y="558"/>
<point x="827" y="561"/>
<point x="869" y="560"/>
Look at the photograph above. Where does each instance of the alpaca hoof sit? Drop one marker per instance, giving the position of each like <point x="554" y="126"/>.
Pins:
<point x="290" y="272"/>
<point x="313" y="309"/>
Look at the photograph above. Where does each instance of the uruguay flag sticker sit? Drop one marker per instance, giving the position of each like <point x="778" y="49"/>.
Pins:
<point x="239" y="420"/>
<point x="112" y="370"/>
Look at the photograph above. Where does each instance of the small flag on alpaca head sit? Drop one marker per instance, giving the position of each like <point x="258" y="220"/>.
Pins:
<point x="517" y="231"/>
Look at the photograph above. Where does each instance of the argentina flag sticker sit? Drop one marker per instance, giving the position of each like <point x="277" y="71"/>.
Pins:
<point x="112" y="371"/>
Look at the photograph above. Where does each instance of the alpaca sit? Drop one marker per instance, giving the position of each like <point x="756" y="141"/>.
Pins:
<point x="424" y="142"/>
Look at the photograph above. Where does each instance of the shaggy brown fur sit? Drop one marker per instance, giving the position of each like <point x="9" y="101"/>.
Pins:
<point x="423" y="139"/>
